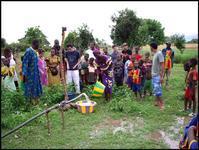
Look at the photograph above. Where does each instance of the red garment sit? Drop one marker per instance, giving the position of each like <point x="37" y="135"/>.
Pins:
<point x="191" y="81"/>
<point x="187" y="94"/>
<point x="137" y="56"/>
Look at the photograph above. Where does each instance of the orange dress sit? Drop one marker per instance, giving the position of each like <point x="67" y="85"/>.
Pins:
<point x="136" y="76"/>
<point x="168" y="62"/>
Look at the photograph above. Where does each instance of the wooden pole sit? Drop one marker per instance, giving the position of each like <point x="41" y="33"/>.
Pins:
<point x="62" y="68"/>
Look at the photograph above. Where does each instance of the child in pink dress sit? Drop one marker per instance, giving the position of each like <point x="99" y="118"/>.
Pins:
<point x="42" y="68"/>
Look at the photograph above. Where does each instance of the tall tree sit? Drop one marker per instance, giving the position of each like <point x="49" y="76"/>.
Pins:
<point x="179" y="41"/>
<point x="150" y="31"/>
<point x="101" y="43"/>
<point x="125" y="28"/>
<point x="34" y="33"/>
<point x="72" y="38"/>
<point x="85" y="36"/>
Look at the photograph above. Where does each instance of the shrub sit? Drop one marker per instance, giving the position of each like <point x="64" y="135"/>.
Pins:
<point x="123" y="100"/>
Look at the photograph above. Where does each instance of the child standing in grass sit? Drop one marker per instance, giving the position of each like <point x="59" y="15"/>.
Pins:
<point x="148" y="64"/>
<point x="91" y="71"/>
<point x="136" y="79"/>
<point x="42" y="68"/>
<point x="126" y="64"/>
<point x="191" y="83"/>
<point x="143" y="75"/>
<point x="118" y="70"/>
<point x="84" y="68"/>
<point x="186" y="92"/>
<point x="130" y="68"/>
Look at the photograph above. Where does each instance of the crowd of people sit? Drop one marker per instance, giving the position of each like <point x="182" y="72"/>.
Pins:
<point x="142" y="74"/>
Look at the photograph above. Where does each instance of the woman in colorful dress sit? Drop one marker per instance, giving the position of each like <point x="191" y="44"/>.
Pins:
<point x="30" y="71"/>
<point x="7" y="73"/>
<point x="105" y="64"/>
<point x="42" y="68"/>
<point x="53" y="68"/>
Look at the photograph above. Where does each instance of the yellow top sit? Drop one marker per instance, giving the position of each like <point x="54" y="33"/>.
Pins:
<point x="8" y="70"/>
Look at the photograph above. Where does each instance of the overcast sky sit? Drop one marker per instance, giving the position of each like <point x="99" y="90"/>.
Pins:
<point x="16" y="17"/>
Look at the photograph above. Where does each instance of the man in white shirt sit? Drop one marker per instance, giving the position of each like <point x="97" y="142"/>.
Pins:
<point x="90" y="51"/>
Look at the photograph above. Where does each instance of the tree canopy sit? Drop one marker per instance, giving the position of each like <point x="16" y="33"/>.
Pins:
<point x="81" y="38"/>
<point x="34" y="33"/>
<point x="130" y="29"/>
<point x="179" y="41"/>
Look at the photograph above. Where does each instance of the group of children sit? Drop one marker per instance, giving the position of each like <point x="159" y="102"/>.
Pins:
<point x="136" y="73"/>
<point x="88" y="71"/>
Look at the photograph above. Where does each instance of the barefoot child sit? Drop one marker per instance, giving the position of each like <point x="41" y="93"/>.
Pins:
<point x="42" y="68"/>
<point x="118" y="70"/>
<point x="186" y="93"/>
<point x="143" y="75"/>
<point x="148" y="65"/>
<point x="136" y="79"/>
<point x="84" y="69"/>
<point x="91" y="71"/>
<point x="130" y="68"/>
<point x="191" y="82"/>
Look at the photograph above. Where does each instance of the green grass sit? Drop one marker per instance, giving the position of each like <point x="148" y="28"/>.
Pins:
<point x="78" y="127"/>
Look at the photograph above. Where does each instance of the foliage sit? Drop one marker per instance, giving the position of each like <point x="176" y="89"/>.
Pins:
<point x="72" y="38"/>
<point x="3" y="43"/>
<point x="123" y="104"/>
<point x="51" y="97"/>
<point x="101" y="43"/>
<point x="18" y="47"/>
<point x="34" y="33"/>
<point x="11" y="101"/>
<point x="81" y="38"/>
<point x="193" y="41"/>
<point x="179" y="42"/>
<point x="125" y="28"/>
<point x="135" y="31"/>
<point x="85" y="36"/>
<point x="150" y="31"/>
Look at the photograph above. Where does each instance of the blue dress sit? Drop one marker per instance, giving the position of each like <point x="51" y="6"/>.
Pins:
<point x="33" y="87"/>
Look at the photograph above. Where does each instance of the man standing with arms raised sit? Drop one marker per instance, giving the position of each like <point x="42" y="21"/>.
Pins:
<point x="157" y="74"/>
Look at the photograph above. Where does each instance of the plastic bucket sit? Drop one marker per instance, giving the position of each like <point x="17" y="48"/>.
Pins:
<point x="85" y="106"/>
<point x="98" y="89"/>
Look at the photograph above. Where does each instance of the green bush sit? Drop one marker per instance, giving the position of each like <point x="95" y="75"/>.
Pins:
<point x="52" y="94"/>
<point x="12" y="101"/>
<point x="15" y="109"/>
<point x="123" y="100"/>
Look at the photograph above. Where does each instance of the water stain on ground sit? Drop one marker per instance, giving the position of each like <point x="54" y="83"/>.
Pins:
<point x="174" y="131"/>
<point x="124" y="125"/>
